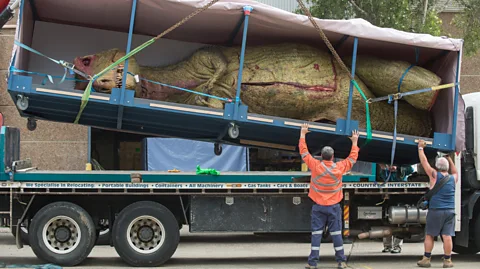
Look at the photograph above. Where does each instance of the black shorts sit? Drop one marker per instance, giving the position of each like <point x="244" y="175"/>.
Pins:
<point x="440" y="222"/>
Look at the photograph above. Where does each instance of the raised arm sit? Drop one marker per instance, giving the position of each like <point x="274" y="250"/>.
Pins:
<point x="424" y="162"/>
<point x="453" y="168"/>
<point x="348" y="163"/>
<point x="302" y="146"/>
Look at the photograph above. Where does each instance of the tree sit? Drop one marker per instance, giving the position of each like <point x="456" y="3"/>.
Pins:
<point x="469" y="23"/>
<point x="417" y="16"/>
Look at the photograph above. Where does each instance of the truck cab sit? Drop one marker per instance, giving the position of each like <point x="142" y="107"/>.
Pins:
<point x="467" y="239"/>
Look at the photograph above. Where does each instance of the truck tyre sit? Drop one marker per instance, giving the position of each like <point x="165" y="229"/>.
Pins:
<point x="145" y="234"/>
<point x="62" y="233"/>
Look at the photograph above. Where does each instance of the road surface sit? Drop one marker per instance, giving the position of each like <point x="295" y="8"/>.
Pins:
<point x="252" y="251"/>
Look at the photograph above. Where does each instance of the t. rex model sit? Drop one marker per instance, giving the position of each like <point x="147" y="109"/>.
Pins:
<point x="286" y="80"/>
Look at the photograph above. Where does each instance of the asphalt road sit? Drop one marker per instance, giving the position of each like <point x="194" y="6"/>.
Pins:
<point x="252" y="251"/>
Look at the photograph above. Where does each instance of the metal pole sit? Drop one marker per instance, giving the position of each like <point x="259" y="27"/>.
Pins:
<point x="455" y="103"/>
<point x="246" y="12"/>
<point x="125" y="69"/>
<point x="350" y="96"/>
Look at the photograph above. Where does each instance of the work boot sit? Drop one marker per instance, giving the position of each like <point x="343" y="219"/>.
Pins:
<point x="447" y="263"/>
<point x="386" y="249"/>
<point x="424" y="262"/>
<point x="308" y="266"/>
<point x="342" y="265"/>
<point x="396" y="250"/>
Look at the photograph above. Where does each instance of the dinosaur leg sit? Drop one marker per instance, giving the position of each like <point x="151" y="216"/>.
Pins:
<point x="210" y="59"/>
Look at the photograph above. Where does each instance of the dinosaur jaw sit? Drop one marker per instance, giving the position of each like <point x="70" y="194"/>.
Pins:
<point x="105" y="83"/>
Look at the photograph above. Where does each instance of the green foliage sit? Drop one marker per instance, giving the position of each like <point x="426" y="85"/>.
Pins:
<point x="404" y="15"/>
<point x="469" y="23"/>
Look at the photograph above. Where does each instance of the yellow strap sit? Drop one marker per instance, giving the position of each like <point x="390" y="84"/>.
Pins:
<point x="439" y="87"/>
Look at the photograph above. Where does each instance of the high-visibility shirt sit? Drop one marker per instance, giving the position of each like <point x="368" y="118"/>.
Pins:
<point x="326" y="180"/>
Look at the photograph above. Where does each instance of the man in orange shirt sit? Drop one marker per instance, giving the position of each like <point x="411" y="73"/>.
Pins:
<point x="326" y="192"/>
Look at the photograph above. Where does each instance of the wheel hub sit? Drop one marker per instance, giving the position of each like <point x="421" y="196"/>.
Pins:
<point x="145" y="234"/>
<point x="62" y="234"/>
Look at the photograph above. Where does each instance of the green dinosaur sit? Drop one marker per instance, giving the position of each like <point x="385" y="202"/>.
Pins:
<point x="207" y="171"/>
<point x="286" y="80"/>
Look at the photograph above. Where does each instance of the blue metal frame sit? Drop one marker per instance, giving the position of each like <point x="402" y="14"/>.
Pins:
<point x="190" y="124"/>
<point x="350" y="96"/>
<point x="124" y="78"/>
<point x="237" y="111"/>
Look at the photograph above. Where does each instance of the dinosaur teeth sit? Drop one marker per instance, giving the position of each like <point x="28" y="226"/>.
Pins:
<point x="119" y="76"/>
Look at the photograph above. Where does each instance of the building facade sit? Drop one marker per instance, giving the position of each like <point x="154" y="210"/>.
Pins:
<point x="52" y="146"/>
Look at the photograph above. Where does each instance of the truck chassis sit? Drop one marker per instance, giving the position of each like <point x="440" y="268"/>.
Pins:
<point x="144" y="218"/>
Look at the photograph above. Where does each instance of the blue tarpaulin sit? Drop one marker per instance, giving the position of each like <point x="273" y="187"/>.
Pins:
<point x="162" y="154"/>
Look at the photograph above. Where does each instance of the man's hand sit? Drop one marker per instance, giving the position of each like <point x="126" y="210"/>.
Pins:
<point x="354" y="137"/>
<point x="304" y="130"/>
<point x="422" y="144"/>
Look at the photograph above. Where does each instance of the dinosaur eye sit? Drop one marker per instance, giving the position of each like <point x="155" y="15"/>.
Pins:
<point x="86" y="61"/>
<point x="104" y="81"/>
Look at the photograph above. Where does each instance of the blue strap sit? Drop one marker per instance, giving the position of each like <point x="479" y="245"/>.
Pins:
<point x="35" y="51"/>
<point x="417" y="55"/>
<point x="51" y="59"/>
<point x="47" y="76"/>
<point x="395" y="113"/>
<point x="183" y="89"/>
<point x="66" y="65"/>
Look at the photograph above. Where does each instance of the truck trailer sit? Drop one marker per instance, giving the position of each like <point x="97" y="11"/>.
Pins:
<point x="63" y="212"/>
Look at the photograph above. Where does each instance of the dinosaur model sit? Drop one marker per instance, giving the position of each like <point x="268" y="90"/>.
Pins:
<point x="286" y="80"/>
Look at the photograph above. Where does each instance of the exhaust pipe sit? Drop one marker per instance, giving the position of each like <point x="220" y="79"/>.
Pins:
<point x="376" y="234"/>
<point x="389" y="231"/>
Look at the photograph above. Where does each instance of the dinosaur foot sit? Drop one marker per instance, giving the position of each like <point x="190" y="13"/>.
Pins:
<point x="211" y="103"/>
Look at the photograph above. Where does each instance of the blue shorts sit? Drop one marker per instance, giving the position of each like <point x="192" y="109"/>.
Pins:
<point x="440" y="222"/>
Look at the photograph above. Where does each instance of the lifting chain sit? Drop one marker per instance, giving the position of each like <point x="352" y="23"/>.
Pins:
<point x="325" y="39"/>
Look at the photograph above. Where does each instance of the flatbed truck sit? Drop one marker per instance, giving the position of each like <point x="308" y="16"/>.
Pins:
<point x="63" y="210"/>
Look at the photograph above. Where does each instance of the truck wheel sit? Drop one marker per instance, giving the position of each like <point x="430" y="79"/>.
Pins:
<point x="145" y="234"/>
<point x="62" y="233"/>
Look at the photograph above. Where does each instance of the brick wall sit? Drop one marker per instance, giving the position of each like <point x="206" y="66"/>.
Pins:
<point x="51" y="146"/>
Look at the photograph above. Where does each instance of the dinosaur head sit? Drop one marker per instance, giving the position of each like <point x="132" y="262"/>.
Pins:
<point x="95" y="63"/>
